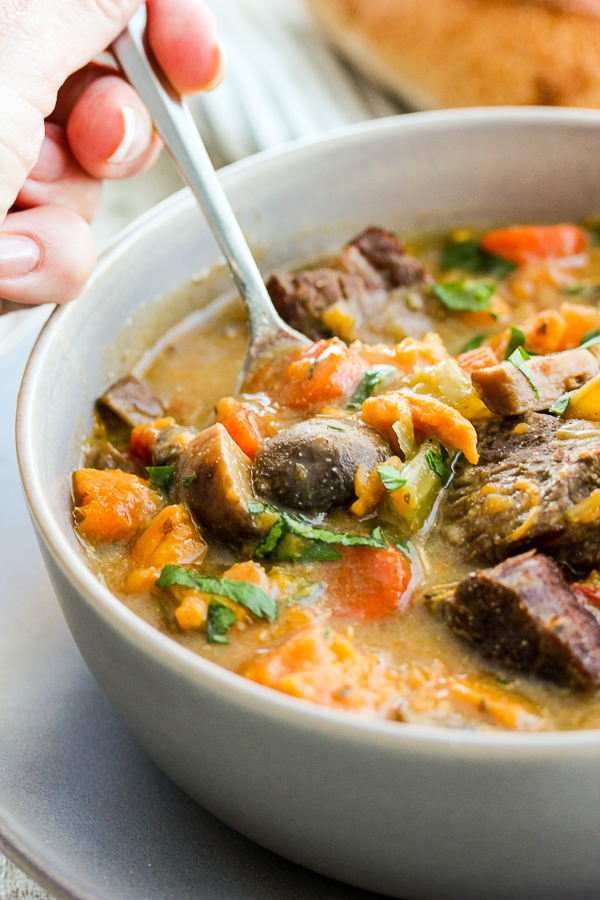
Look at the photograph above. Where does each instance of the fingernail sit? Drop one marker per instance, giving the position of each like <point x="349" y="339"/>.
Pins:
<point x="137" y="131"/>
<point x="19" y="255"/>
<point x="51" y="163"/>
<point x="220" y="71"/>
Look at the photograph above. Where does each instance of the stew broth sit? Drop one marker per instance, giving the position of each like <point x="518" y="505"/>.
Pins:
<point x="409" y="664"/>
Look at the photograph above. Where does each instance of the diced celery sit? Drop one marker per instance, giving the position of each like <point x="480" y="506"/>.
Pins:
<point x="414" y="500"/>
<point x="404" y="431"/>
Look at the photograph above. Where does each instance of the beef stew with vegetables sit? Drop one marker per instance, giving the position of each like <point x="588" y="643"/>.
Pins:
<point x="402" y="519"/>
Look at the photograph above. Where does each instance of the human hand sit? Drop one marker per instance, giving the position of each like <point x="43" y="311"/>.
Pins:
<point x="66" y="123"/>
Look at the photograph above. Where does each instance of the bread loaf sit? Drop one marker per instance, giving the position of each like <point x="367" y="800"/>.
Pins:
<point x="446" y="53"/>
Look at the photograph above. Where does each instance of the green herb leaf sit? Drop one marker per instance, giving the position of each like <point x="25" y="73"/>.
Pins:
<point x="470" y="256"/>
<point x="219" y="619"/>
<point x="438" y="464"/>
<point x="519" y="359"/>
<point x="594" y="229"/>
<point x="391" y="478"/>
<point x="242" y="592"/>
<point x="288" y="524"/>
<point x="256" y="508"/>
<point x="189" y="479"/>
<point x="516" y="339"/>
<point x="299" y="549"/>
<point x="585" y="289"/>
<point x="592" y="339"/>
<point x="559" y="406"/>
<point x="578" y="287"/>
<point x="161" y="477"/>
<point x="372" y="379"/>
<point x="296" y="526"/>
<point x="472" y="295"/>
<point x="474" y="343"/>
<point x="271" y="539"/>
<point x="337" y="427"/>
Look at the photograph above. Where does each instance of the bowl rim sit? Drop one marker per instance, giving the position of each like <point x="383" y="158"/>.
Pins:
<point x="166" y="651"/>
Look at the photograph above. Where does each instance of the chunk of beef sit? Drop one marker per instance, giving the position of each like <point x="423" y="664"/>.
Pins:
<point x="525" y="616"/>
<point x="312" y="465"/>
<point x="302" y="298"/>
<point x="372" y="264"/>
<point x="109" y="457"/>
<point x="212" y="476"/>
<point x="386" y="254"/>
<point x="522" y="492"/>
<point x="507" y="392"/>
<point x="130" y="400"/>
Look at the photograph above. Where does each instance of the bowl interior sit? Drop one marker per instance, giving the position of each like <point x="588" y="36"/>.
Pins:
<point x="411" y="173"/>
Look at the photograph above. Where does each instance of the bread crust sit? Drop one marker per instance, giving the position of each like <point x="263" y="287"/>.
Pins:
<point x="448" y="53"/>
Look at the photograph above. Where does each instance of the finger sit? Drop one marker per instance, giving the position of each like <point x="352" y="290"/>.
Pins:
<point x="110" y="131"/>
<point x="184" y="41"/>
<point x="46" y="255"/>
<point x="57" y="179"/>
<point x="74" y="87"/>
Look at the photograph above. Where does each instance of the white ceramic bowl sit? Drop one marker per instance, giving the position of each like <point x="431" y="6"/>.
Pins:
<point x="411" y="811"/>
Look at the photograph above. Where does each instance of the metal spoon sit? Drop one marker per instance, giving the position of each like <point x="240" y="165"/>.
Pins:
<point x="174" y="123"/>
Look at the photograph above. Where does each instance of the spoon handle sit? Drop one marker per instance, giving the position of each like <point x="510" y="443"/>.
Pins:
<point x="175" y="125"/>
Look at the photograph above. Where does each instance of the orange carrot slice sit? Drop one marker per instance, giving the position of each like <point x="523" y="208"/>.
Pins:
<point x="529" y="243"/>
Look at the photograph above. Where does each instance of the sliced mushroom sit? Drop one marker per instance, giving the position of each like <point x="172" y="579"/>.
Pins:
<point x="312" y="464"/>
<point x="213" y="478"/>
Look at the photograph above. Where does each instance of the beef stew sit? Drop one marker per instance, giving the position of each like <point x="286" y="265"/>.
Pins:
<point x="329" y="532"/>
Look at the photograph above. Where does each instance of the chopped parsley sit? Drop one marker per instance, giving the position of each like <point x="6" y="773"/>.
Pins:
<point x="584" y="289"/>
<point x="438" y="463"/>
<point x="516" y="339"/>
<point x="391" y="477"/>
<point x="299" y="549"/>
<point x="161" y="477"/>
<point x="219" y="619"/>
<point x="242" y="592"/>
<point x="592" y="339"/>
<point x="371" y="380"/>
<point x="519" y="360"/>
<point x="593" y="226"/>
<point x="289" y="524"/>
<point x="256" y="508"/>
<point x="559" y="406"/>
<point x="336" y="427"/>
<point x="470" y="256"/>
<point x="473" y="344"/>
<point x="189" y="479"/>
<point x="473" y="295"/>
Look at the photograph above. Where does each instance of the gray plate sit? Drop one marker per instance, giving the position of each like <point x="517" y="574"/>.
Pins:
<point x="82" y="808"/>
